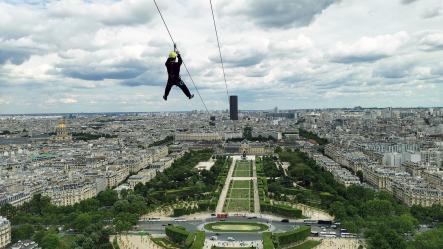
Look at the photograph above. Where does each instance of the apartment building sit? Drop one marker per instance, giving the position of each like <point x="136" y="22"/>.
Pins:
<point x="5" y="232"/>
<point x="69" y="194"/>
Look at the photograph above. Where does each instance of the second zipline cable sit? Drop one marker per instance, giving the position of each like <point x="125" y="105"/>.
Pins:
<point x="219" y="50"/>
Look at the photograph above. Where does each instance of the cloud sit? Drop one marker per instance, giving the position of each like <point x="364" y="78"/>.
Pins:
<point x="431" y="13"/>
<point x="68" y="101"/>
<point x="437" y="69"/>
<point x="368" y="49"/>
<point x="289" y="53"/>
<point x="153" y="76"/>
<point x="100" y="71"/>
<point x="408" y="1"/>
<point x="432" y="42"/>
<point x="17" y="51"/>
<point x="240" y="56"/>
<point x="106" y="12"/>
<point x="393" y="70"/>
<point x="15" y="57"/>
<point x="282" y="13"/>
<point x="289" y="46"/>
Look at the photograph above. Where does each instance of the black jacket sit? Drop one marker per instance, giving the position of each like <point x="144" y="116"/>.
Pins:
<point x="173" y="69"/>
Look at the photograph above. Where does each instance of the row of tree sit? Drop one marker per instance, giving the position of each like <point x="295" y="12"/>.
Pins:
<point x="384" y="221"/>
<point x="310" y="135"/>
<point x="89" y="224"/>
<point x="89" y="136"/>
<point x="168" y="140"/>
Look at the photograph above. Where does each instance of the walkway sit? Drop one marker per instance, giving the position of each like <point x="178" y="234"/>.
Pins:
<point x="256" y="197"/>
<point x="224" y="193"/>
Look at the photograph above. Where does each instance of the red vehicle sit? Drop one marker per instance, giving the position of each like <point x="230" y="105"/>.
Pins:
<point x="222" y="216"/>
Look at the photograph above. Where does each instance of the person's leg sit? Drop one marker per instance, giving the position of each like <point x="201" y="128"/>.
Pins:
<point x="167" y="90"/>
<point x="185" y="89"/>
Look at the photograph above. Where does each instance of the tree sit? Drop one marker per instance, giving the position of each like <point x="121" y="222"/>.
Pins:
<point x="51" y="241"/>
<point x="432" y="239"/>
<point x="360" y="175"/>
<point x="121" y="206"/>
<point x="338" y="209"/>
<point x="8" y="211"/>
<point x="82" y="221"/>
<point x="247" y="133"/>
<point x="107" y="197"/>
<point x="22" y="232"/>
<point x="278" y="149"/>
<point x="377" y="208"/>
<point x="121" y="226"/>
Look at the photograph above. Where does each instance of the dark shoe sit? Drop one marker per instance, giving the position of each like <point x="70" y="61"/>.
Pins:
<point x="192" y="96"/>
<point x="165" y="98"/>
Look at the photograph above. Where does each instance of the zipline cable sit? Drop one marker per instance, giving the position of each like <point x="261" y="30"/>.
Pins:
<point x="189" y="74"/>
<point x="219" y="50"/>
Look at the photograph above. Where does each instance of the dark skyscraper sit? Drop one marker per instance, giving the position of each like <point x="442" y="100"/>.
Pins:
<point x="233" y="106"/>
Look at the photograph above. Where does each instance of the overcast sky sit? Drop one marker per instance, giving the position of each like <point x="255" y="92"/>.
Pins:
<point x="93" y="56"/>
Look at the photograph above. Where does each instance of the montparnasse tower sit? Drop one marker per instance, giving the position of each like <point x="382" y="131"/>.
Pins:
<point x="61" y="132"/>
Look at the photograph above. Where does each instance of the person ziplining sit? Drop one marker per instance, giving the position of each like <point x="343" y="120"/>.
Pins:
<point x="174" y="78"/>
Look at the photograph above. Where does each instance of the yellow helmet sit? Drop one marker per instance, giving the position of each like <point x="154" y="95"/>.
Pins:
<point x="172" y="55"/>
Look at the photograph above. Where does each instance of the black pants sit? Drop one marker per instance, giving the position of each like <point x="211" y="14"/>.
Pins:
<point x="180" y="84"/>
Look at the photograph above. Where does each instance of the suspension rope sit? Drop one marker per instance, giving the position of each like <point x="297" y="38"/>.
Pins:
<point x="172" y="39"/>
<point x="219" y="50"/>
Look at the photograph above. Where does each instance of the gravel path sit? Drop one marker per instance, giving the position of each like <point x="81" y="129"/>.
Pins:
<point x="224" y="193"/>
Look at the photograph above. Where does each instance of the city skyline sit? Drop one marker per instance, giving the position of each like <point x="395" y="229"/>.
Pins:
<point x="106" y="56"/>
<point x="300" y="174"/>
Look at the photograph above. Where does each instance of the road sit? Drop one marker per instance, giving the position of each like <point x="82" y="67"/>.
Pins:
<point x="158" y="227"/>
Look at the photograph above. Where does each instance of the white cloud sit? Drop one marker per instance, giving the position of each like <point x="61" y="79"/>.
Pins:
<point x="291" y="45"/>
<point x="432" y="42"/>
<point x="368" y="49"/>
<point x="68" y="101"/>
<point x="96" y="54"/>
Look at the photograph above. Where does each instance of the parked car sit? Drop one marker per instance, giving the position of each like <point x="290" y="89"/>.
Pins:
<point x="285" y="220"/>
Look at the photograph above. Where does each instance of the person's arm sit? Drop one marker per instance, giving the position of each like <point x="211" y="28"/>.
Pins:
<point x="179" y="58"/>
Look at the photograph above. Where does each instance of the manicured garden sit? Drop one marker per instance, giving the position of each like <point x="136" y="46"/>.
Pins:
<point x="240" y="197"/>
<point x="236" y="227"/>
<point x="243" y="169"/>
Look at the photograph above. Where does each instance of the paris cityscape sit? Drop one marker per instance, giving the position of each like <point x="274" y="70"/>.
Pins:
<point x="220" y="124"/>
<point x="301" y="167"/>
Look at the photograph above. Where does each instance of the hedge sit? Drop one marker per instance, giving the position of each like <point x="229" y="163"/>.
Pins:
<point x="267" y="240"/>
<point x="190" y="240"/>
<point x="199" y="241"/>
<point x="177" y="234"/>
<point x="290" y="237"/>
<point x="284" y="211"/>
<point x="180" y="236"/>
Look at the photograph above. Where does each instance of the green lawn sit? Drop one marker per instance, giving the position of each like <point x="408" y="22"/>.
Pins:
<point x="241" y="184"/>
<point x="239" y="193"/>
<point x="239" y="197"/>
<point x="242" y="173"/>
<point x="165" y="243"/>
<point x="237" y="205"/>
<point x="243" y="169"/>
<point x="307" y="245"/>
<point x="236" y="227"/>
